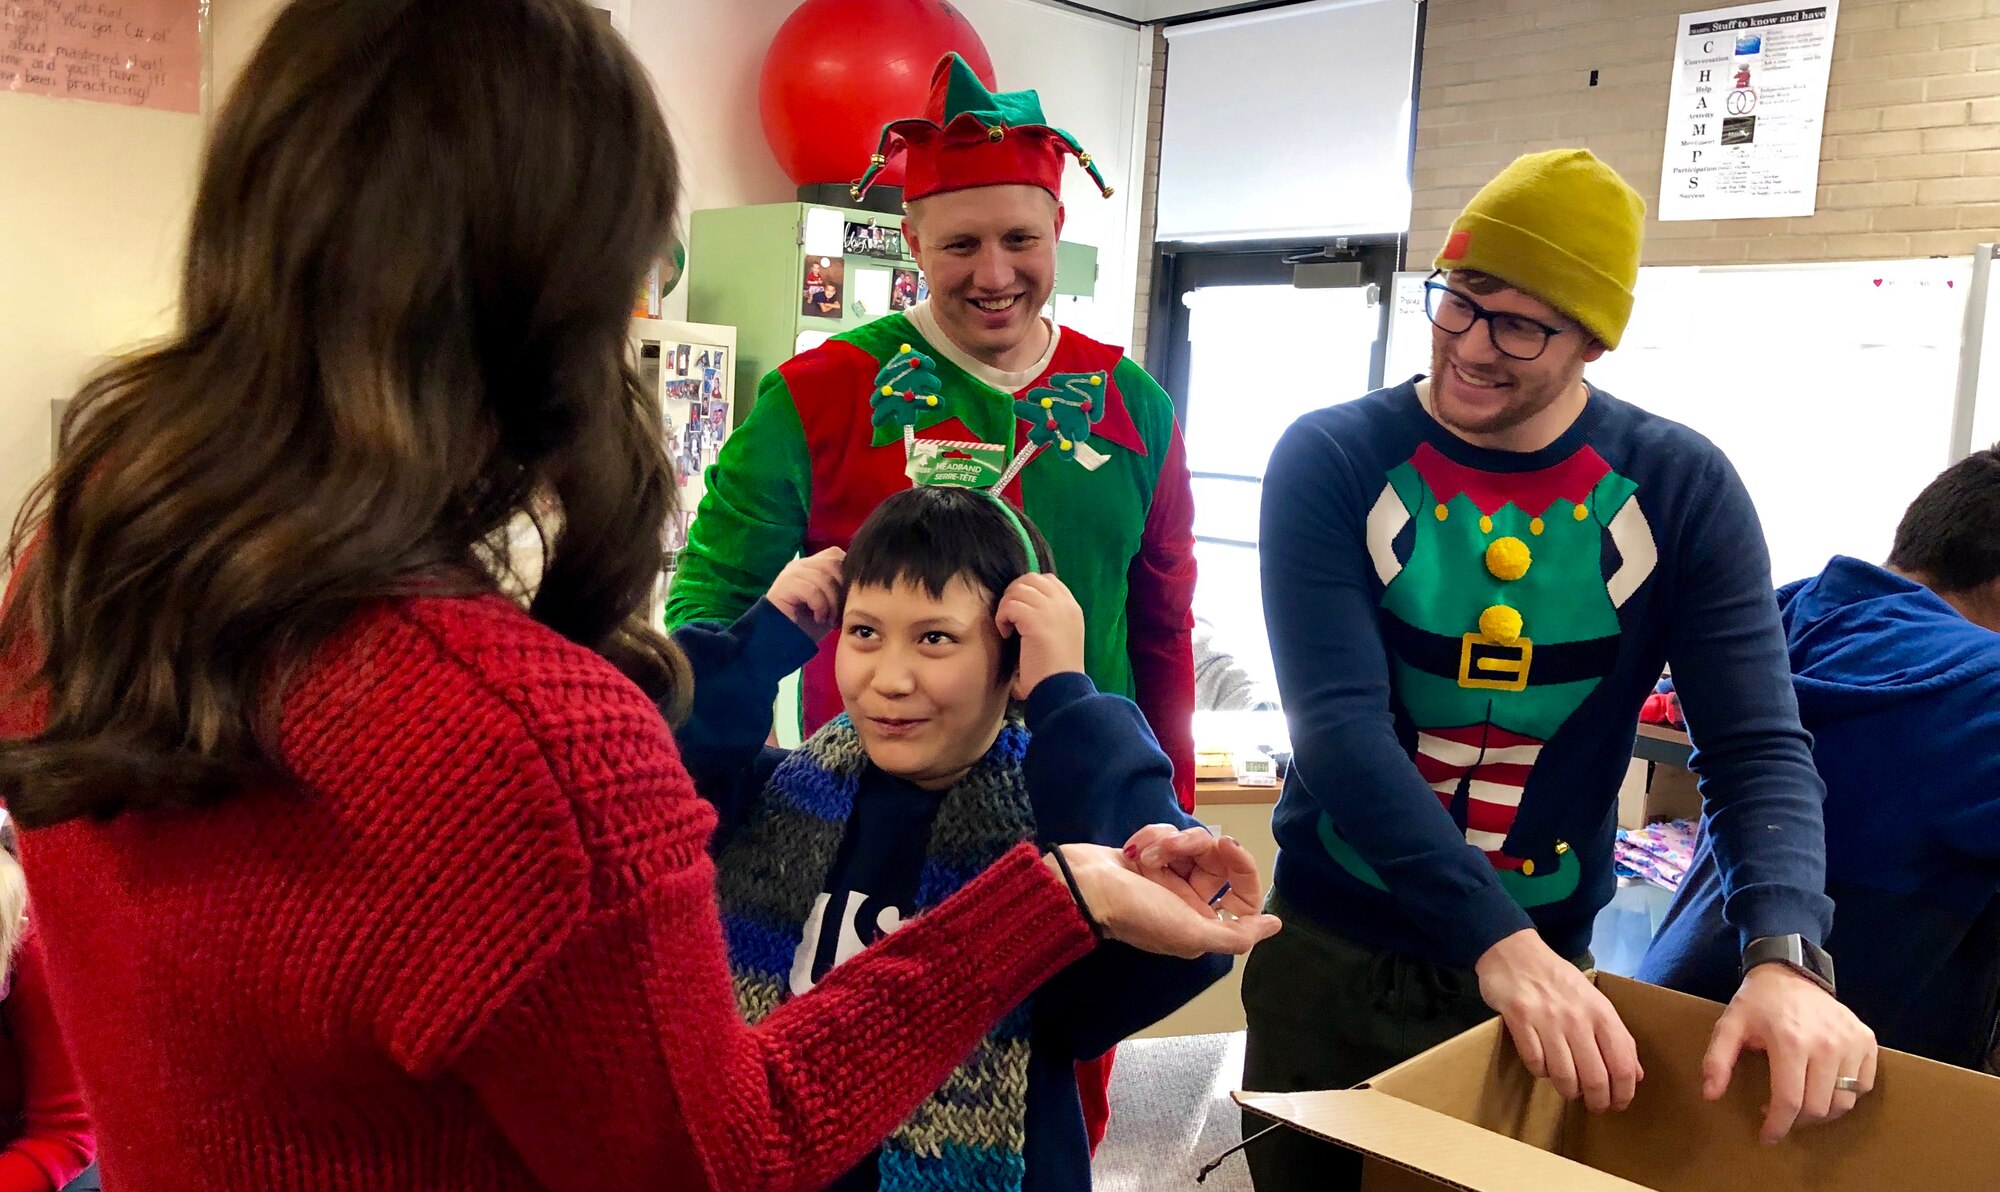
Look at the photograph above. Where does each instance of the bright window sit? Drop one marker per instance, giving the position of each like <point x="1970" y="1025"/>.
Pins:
<point x="1259" y="357"/>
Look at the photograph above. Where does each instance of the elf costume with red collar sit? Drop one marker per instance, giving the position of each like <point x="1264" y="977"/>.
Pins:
<point x="1085" y="444"/>
<point x="1500" y="621"/>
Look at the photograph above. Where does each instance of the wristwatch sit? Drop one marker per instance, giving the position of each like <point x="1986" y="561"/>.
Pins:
<point x="1795" y="952"/>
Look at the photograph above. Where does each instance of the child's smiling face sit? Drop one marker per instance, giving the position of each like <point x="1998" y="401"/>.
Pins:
<point x="921" y="678"/>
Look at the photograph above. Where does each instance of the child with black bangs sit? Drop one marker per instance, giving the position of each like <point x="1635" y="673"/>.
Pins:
<point x="969" y="727"/>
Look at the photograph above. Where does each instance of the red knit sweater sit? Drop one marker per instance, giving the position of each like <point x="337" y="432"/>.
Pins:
<point x="476" y="947"/>
<point x="50" y="1142"/>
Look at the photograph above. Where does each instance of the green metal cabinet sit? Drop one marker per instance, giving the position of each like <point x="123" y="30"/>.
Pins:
<point x="746" y="269"/>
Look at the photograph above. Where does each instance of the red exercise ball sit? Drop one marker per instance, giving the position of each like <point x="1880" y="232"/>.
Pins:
<point x="838" y="70"/>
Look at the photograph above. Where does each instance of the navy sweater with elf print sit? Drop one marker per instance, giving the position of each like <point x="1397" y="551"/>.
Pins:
<point x="1094" y="775"/>
<point x="1463" y="638"/>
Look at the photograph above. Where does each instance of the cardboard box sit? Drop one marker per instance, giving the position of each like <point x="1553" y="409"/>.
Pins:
<point x="1467" y="1115"/>
<point x="1673" y="793"/>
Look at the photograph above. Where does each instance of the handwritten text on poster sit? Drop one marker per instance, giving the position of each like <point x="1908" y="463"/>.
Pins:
<point x="138" y="53"/>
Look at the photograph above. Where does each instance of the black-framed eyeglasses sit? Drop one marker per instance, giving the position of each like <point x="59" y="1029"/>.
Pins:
<point x="1513" y="335"/>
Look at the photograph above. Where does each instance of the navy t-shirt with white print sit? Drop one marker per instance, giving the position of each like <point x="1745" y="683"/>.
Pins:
<point x="872" y="885"/>
<point x="870" y="889"/>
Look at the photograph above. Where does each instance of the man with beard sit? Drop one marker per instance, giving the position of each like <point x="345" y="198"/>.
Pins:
<point x="1472" y="581"/>
<point x="973" y="387"/>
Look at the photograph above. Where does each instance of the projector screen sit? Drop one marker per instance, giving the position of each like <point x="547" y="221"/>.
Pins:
<point x="1288" y="123"/>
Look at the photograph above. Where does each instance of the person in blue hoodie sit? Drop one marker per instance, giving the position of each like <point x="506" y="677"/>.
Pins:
<point x="969" y="726"/>
<point x="1897" y="671"/>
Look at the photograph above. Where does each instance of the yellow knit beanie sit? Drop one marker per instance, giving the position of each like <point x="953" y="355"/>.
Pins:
<point x="1562" y="226"/>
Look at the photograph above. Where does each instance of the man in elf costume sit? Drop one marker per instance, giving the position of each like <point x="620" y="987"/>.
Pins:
<point x="973" y="387"/>
<point x="1472" y="581"/>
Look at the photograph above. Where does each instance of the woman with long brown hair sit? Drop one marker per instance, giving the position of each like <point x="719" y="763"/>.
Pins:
<point x="352" y="873"/>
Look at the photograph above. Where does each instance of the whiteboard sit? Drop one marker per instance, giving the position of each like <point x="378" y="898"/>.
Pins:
<point x="1983" y="311"/>
<point x="1831" y="387"/>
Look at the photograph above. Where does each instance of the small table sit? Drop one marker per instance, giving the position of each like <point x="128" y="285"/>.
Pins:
<point x="1656" y="743"/>
<point x="1227" y="790"/>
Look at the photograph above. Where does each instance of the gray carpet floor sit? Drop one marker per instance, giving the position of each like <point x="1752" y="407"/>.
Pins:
<point x="1171" y="1114"/>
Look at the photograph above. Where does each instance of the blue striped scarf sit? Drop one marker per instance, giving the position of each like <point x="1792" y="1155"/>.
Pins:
<point x="970" y="1133"/>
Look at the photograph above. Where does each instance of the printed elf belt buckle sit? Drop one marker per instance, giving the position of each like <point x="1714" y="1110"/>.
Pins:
<point x="1493" y="666"/>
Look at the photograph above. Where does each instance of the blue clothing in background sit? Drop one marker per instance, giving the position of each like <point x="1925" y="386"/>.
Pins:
<point x="1902" y="696"/>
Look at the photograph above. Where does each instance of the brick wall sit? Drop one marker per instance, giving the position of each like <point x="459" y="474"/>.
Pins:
<point x="1149" y="198"/>
<point x="1910" y="163"/>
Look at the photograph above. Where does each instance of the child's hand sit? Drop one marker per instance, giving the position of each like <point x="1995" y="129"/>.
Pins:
<point x="1050" y="622"/>
<point x="808" y="591"/>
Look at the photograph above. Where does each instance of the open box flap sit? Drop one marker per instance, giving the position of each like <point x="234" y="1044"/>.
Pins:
<point x="1466" y="1114"/>
<point x="1458" y="1153"/>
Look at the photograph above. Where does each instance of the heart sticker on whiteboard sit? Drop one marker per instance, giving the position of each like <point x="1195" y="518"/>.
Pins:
<point x="1878" y="282"/>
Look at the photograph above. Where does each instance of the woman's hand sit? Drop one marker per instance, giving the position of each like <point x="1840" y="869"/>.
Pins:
<point x="1209" y="872"/>
<point x="1161" y="911"/>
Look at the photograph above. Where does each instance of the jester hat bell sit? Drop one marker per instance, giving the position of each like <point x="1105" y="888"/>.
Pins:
<point x="970" y="137"/>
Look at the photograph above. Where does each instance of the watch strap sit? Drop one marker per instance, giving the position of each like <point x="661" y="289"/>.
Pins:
<point x="1795" y="952"/>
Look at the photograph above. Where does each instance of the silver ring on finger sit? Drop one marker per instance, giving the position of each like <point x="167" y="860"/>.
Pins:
<point x="1848" y="1084"/>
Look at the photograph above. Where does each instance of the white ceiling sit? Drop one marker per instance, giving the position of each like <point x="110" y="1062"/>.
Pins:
<point x="1131" y="10"/>
<point x="1160" y="10"/>
<point x="1151" y="10"/>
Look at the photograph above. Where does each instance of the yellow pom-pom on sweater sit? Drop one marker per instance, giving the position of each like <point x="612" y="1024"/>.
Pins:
<point x="1501" y="623"/>
<point x="1508" y="558"/>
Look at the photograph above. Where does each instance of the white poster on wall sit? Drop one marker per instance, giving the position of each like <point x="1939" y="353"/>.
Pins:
<point x="1409" y="349"/>
<point x="618" y="13"/>
<point x="1746" y="111"/>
